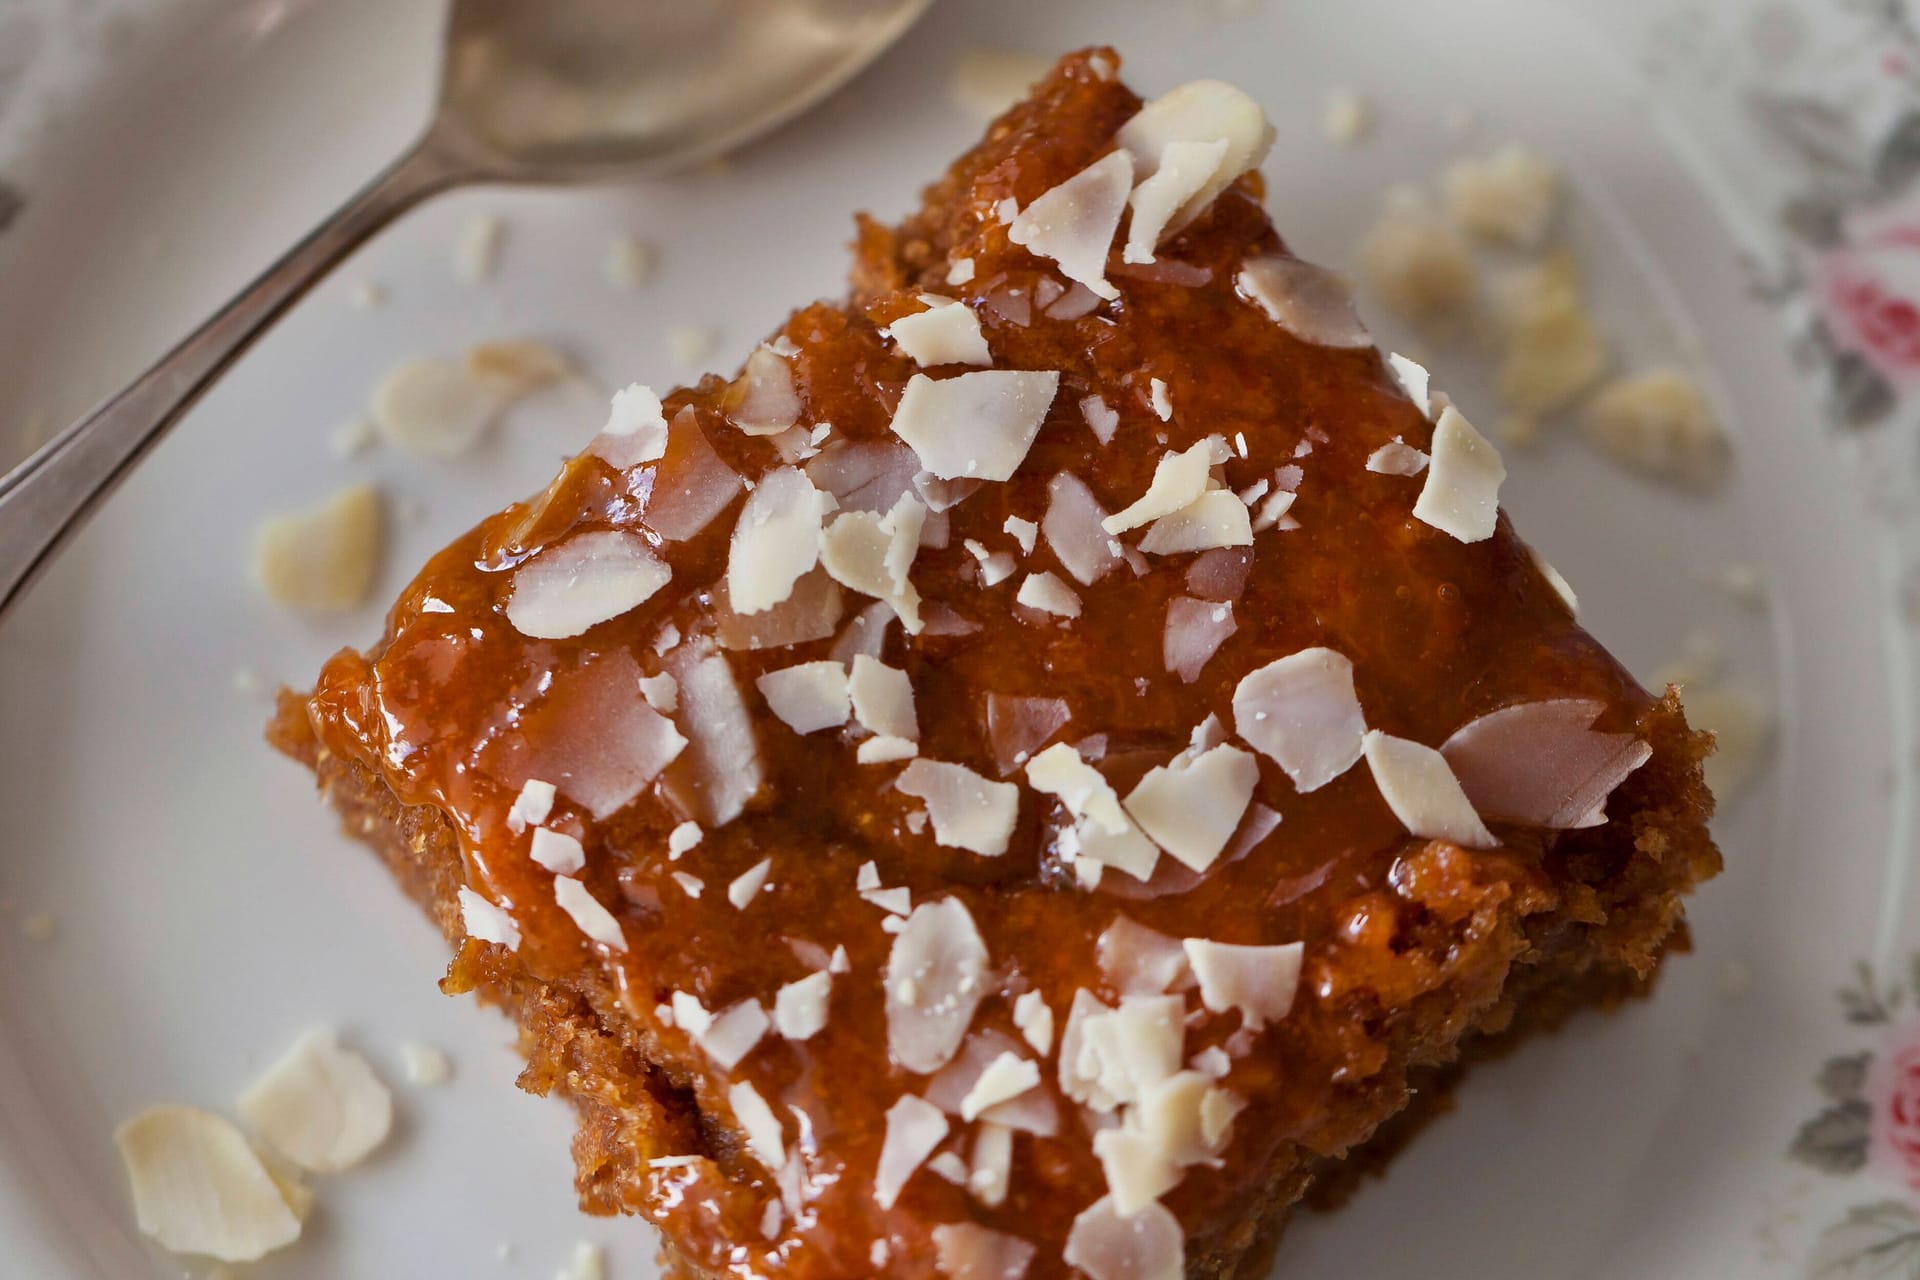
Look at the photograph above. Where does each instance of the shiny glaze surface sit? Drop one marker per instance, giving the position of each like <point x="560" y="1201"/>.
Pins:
<point x="447" y="707"/>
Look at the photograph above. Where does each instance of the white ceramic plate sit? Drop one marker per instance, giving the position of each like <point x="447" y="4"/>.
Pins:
<point x="208" y="911"/>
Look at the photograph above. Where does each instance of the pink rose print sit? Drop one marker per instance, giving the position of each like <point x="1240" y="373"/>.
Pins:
<point x="1893" y="1091"/>
<point x="1869" y="292"/>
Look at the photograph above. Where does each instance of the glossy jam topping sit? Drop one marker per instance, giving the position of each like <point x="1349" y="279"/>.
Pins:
<point x="803" y="851"/>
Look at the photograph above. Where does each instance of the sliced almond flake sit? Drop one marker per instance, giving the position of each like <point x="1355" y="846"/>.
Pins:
<point x="865" y="633"/>
<point x="947" y="332"/>
<point x="968" y="1251"/>
<point x="1136" y="960"/>
<point x="968" y="811"/>
<point x="748" y="883"/>
<point x="1414" y="380"/>
<point x="426" y="1065"/>
<point x="949" y="1165"/>
<point x="839" y="962"/>
<point x="1074" y="303"/>
<point x="1035" y="1021"/>
<point x="1420" y="788"/>
<point x="992" y="1163"/>
<point x="1507" y="197"/>
<point x="776" y="540"/>
<point x="636" y="430"/>
<point x="1185" y="169"/>
<point x="1273" y="512"/>
<point x="691" y="885"/>
<point x="1215" y="519"/>
<point x="810" y="612"/>
<point x="885" y="749"/>
<point x="1221" y="574"/>
<point x="531" y="806"/>
<point x="1462" y="494"/>
<point x="961" y="272"/>
<point x="943" y="495"/>
<point x="486" y="922"/>
<point x="1542" y="763"/>
<point x="1102" y="830"/>
<point x="662" y="693"/>
<point x="692" y="484"/>
<point x="198" y="1188"/>
<point x="557" y="851"/>
<point x="765" y="1136"/>
<point x="1201" y="111"/>
<point x="1259" y="981"/>
<point x="585" y="910"/>
<point x="722" y="768"/>
<point x="320" y="1106"/>
<point x="433" y="407"/>
<point x="1194" y="633"/>
<point x="807" y="697"/>
<point x="975" y="425"/>
<point x="1074" y="223"/>
<point x="800" y="1007"/>
<point x="1109" y="1056"/>
<point x="1138" y="1172"/>
<point x="1311" y="303"/>
<point x="865" y="475"/>
<point x="682" y="838"/>
<point x="733" y="1033"/>
<point x="896" y="901"/>
<point x="1045" y="592"/>
<point x="874" y="555"/>
<point x="1101" y="420"/>
<point x="323" y="558"/>
<point x="1006" y="1078"/>
<point x="1018" y="727"/>
<point x="1561" y="587"/>
<point x="1108" y="1245"/>
<point x="1213" y="1062"/>
<point x="1301" y="712"/>
<point x="1397" y="458"/>
<point x="995" y="566"/>
<point x="765" y="399"/>
<point x="1659" y="422"/>
<point x="1188" y="1117"/>
<point x="1158" y="398"/>
<point x="1031" y="1111"/>
<point x="1024" y="532"/>
<point x="1191" y="810"/>
<point x="882" y="698"/>
<point x="935" y="978"/>
<point x="1073" y="529"/>
<point x="1178" y="479"/>
<point x="914" y="1128"/>
<point x="575" y="585"/>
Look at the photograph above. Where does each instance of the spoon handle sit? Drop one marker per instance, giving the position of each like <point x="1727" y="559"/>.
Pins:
<point x="46" y="499"/>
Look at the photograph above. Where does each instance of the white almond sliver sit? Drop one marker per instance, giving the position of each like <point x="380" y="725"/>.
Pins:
<point x="1301" y="712"/>
<point x="320" y="1106"/>
<point x="976" y="425"/>
<point x="1006" y="1078"/>
<point x="885" y="749"/>
<point x="324" y="558"/>
<point x="1259" y="981"/>
<point x="557" y="851"/>
<point x="874" y="554"/>
<point x="1101" y="420"/>
<point x="1073" y="528"/>
<point x="1414" y="380"/>
<point x="1420" y="788"/>
<point x="575" y="585"/>
<point x="733" y="1033"/>
<point x="532" y="805"/>
<point x="722" y="768"/>
<point x="935" y="979"/>
<point x="776" y="540"/>
<point x="1137" y="960"/>
<point x="486" y="922"/>
<point x="1074" y="223"/>
<point x="1138" y="1172"/>
<point x="800" y="1007"/>
<point x="807" y="697"/>
<point x="1556" y="580"/>
<point x="968" y="811"/>
<point x="1045" y="592"/>
<point x="198" y="1188"/>
<point x="1396" y="458"/>
<point x="768" y="402"/>
<point x="1215" y="519"/>
<point x="882" y="698"/>
<point x="1186" y="167"/>
<point x="693" y="484"/>
<point x="635" y="416"/>
<point x="914" y="1128"/>
<point x="947" y="332"/>
<point x="1542" y="763"/>
<point x="1108" y="1245"/>
<point x="764" y="1135"/>
<point x="1310" y="302"/>
<point x="1035" y="1021"/>
<point x="748" y="883"/>
<point x="1200" y="111"/>
<point x="1191" y="810"/>
<point x="433" y="407"/>
<point x="1462" y="494"/>
<point x="1082" y="789"/>
<point x="662" y="693"/>
<point x="585" y="910"/>
<point x="1194" y="633"/>
<point x="968" y="1251"/>
<point x="1178" y="479"/>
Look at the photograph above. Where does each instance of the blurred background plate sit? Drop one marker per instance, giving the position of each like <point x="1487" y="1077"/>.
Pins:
<point x="1739" y="177"/>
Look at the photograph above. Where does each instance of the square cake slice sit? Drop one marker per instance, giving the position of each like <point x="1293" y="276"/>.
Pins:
<point x="1028" y="777"/>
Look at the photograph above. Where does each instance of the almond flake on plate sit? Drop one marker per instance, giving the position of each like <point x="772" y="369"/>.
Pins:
<point x="426" y="1065"/>
<point x="1396" y="458"/>
<point x="320" y="1106"/>
<point x="199" y="1188"/>
<point x="914" y="1128"/>
<point x="1420" y="788"/>
<point x="1191" y="808"/>
<point x="1214" y="519"/>
<point x="764" y="1135"/>
<point x="585" y="910"/>
<point x="1259" y="981"/>
<point x="1461" y="496"/>
<point x="1542" y="763"/>
<point x="487" y="923"/>
<point x="935" y="978"/>
<point x="323" y="558"/>
<point x="433" y="407"/>
<point x="968" y="1251"/>
<point x="1194" y="632"/>
<point x="1074" y="223"/>
<point x="1310" y="302"/>
<point x="1201" y="111"/>
<point x="1045" y="592"/>
<point x="947" y="332"/>
<point x="974" y="425"/>
<point x="776" y="541"/>
<point x="1659" y="422"/>
<point x="809" y="696"/>
<point x="557" y="851"/>
<point x="968" y="811"/>
<point x="800" y="1007"/>
<point x="1301" y="712"/>
<point x="570" y="587"/>
<point x="1507" y="197"/>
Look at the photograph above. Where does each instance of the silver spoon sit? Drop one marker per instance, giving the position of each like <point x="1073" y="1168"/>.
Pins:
<point x="530" y="91"/>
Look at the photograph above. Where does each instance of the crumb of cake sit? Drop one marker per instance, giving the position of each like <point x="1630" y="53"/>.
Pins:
<point x="629" y="262"/>
<point x="1507" y="197"/>
<point x="40" y="927"/>
<point x="366" y="294"/>
<point x="1418" y="263"/>
<point x="690" y="345"/>
<point x="1553" y="351"/>
<point x="425" y="1064"/>
<point x="986" y="80"/>
<point x="476" y="255"/>
<point x="1348" y="117"/>
<point x="1659" y="422"/>
<point x="199" y="1188"/>
<point x="320" y="1106"/>
<point x="325" y="557"/>
<point x="353" y="437"/>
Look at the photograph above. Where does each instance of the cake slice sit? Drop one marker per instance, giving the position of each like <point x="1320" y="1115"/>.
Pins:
<point x="1032" y="773"/>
